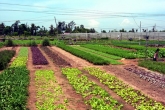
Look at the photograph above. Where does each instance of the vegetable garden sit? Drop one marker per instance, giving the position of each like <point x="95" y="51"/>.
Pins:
<point x="107" y="84"/>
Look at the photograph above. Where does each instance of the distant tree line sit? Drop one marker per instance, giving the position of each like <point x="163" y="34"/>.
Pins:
<point x="18" y="29"/>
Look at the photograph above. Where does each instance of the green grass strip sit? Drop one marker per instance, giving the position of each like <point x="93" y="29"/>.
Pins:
<point x="49" y="93"/>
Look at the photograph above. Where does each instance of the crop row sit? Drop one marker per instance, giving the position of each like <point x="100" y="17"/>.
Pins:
<point x="131" y="96"/>
<point x="110" y="58"/>
<point x="111" y="50"/>
<point x="55" y="57"/>
<point x="152" y="77"/>
<point x="37" y="56"/>
<point x="1" y="44"/>
<point x="85" y="55"/>
<point x="142" y="49"/>
<point x="93" y="94"/>
<point x="5" y="57"/>
<point x="153" y="65"/>
<point x="13" y="85"/>
<point x="49" y="93"/>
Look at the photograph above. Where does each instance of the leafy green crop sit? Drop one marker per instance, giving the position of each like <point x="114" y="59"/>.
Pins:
<point x="153" y="65"/>
<point x="131" y="96"/>
<point x="111" y="50"/>
<point x="23" y="52"/>
<point x="1" y="44"/>
<point x="85" y="55"/>
<point x="111" y="58"/>
<point x="13" y="85"/>
<point x="48" y="91"/>
<point x="141" y="49"/>
<point x="93" y="94"/>
<point x="5" y="57"/>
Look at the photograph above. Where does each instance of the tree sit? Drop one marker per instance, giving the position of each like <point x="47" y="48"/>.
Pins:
<point x="7" y="30"/>
<point x="104" y="31"/>
<point x="92" y="30"/>
<point x="51" y="32"/>
<point x="2" y="27"/>
<point x="15" y="26"/>
<point x="122" y="30"/>
<point x="61" y="27"/>
<point x="81" y="26"/>
<point x="32" y="28"/>
<point x="71" y="25"/>
<point x="133" y="30"/>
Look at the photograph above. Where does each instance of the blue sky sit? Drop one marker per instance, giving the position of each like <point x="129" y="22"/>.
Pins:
<point x="98" y="14"/>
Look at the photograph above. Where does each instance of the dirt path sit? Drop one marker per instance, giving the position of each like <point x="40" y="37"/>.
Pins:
<point x="6" y="48"/>
<point x="119" y="71"/>
<point x="75" y="101"/>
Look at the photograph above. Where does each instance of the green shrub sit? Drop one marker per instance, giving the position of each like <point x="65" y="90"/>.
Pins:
<point x="5" y="57"/>
<point x="9" y="43"/>
<point x="33" y="43"/>
<point x="45" y="42"/>
<point x="1" y="44"/>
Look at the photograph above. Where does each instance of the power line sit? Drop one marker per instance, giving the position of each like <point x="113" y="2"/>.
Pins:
<point x="135" y="22"/>
<point x="83" y="10"/>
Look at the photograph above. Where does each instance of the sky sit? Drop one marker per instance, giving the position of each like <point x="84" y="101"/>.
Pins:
<point x="98" y="14"/>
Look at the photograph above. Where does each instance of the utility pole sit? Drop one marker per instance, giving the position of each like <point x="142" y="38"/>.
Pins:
<point x="56" y="26"/>
<point x="140" y="33"/>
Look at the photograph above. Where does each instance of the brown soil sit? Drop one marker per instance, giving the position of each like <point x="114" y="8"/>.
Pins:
<point x="6" y="48"/>
<point x="118" y="70"/>
<point x="73" y="60"/>
<point x="75" y="101"/>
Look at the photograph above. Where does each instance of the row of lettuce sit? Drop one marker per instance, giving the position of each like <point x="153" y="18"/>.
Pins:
<point x="14" y="82"/>
<point x="49" y="93"/>
<point x="99" y="99"/>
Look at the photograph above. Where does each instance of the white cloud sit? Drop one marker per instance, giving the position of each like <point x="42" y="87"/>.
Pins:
<point x="126" y="22"/>
<point x="93" y="23"/>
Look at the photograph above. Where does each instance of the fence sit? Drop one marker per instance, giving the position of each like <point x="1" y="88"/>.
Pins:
<point x="115" y="35"/>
